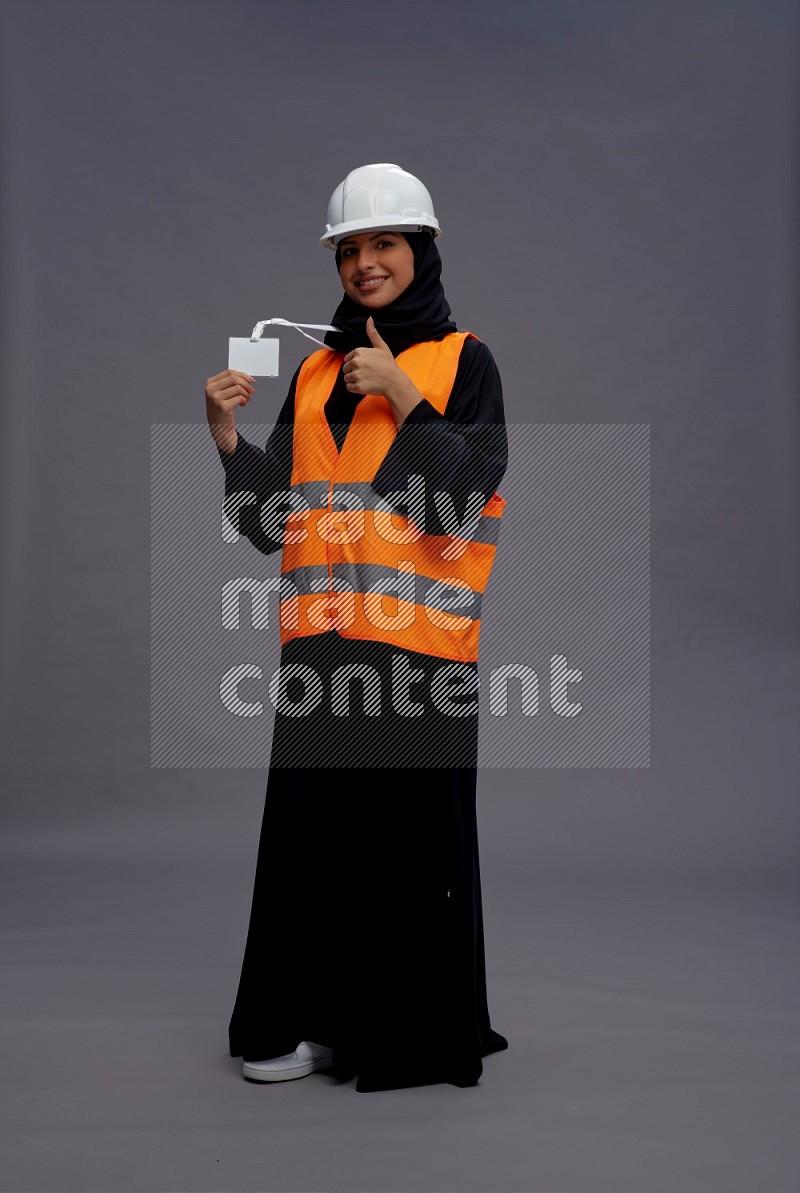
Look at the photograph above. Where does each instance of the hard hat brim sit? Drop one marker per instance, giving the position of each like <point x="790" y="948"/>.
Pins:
<point x="334" y="233"/>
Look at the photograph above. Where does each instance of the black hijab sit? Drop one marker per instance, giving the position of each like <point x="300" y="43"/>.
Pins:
<point x="421" y="312"/>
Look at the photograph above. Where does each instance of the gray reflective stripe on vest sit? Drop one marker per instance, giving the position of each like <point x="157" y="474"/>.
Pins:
<point x="362" y="577"/>
<point x="315" y="494"/>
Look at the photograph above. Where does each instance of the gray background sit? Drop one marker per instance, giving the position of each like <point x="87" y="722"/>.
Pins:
<point x="617" y="188"/>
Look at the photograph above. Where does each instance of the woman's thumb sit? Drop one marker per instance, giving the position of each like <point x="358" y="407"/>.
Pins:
<point x="374" y="334"/>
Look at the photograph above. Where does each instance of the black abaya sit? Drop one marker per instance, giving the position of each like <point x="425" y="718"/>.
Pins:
<point x="366" y="928"/>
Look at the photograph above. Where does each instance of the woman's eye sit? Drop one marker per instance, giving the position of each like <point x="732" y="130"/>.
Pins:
<point x="381" y="244"/>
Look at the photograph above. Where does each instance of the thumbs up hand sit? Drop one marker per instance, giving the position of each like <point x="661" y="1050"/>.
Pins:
<point x="375" y="371"/>
<point x="372" y="370"/>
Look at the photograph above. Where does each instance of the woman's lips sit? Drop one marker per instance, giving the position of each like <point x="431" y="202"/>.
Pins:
<point x="370" y="283"/>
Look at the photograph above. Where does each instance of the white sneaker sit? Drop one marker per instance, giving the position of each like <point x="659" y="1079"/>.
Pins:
<point x="305" y="1059"/>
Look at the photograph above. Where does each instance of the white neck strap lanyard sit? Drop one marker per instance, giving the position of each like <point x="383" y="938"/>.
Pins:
<point x="258" y="330"/>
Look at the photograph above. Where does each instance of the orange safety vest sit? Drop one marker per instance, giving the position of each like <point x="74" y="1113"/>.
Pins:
<point x="358" y="566"/>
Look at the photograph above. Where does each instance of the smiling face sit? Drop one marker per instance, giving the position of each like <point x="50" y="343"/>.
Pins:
<point x="376" y="267"/>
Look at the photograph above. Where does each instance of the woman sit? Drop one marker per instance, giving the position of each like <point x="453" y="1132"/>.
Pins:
<point x="365" y="944"/>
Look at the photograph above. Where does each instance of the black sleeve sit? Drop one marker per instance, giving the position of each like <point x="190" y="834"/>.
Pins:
<point x="265" y="473"/>
<point x="463" y="451"/>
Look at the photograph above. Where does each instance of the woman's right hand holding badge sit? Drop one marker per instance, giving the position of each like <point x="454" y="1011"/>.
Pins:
<point x="224" y="392"/>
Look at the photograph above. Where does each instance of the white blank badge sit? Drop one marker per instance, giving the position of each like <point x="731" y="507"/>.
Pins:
<point x="259" y="358"/>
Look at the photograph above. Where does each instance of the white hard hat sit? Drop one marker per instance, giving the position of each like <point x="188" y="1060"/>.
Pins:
<point x="380" y="196"/>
